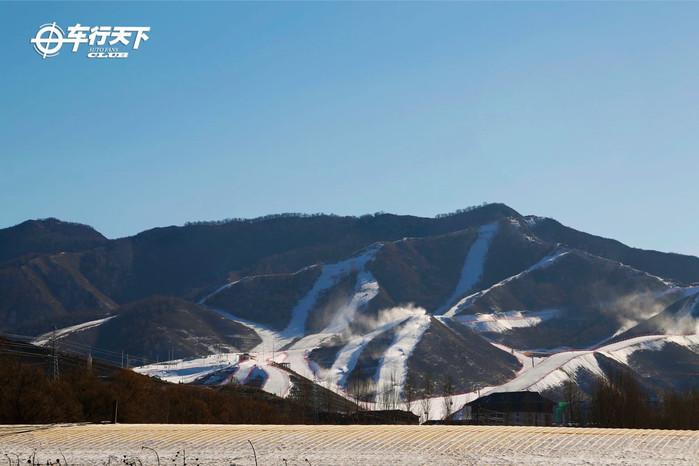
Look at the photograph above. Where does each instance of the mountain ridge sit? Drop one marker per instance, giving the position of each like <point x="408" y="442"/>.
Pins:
<point x="368" y="305"/>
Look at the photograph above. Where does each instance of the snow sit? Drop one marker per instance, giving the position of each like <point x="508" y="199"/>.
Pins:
<point x="248" y="278"/>
<point x="690" y="290"/>
<point x="546" y="261"/>
<point x="277" y="379"/>
<point x="271" y="340"/>
<point x="533" y="220"/>
<point x="42" y="340"/>
<point x="392" y="367"/>
<point x="685" y="317"/>
<point x="244" y="371"/>
<point x="678" y="292"/>
<point x="622" y="350"/>
<point x="472" y="269"/>
<point x="669" y="284"/>
<point x="541" y="373"/>
<point x="554" y="370"/>
<point x="93" y="445"/>
<point x="518" y="225"/>
<point x="346" y="359"/>
<point x="366" y="289"/>
<point x="551" y="372"/>
<point x="292" y="337"/>
<point x="537" y="373"/>
<point x="190" y="369"/>
<point x="264" y="355"/>
<point x="503" y="321"/>
<point x="298" y="362"/>
<point x="329" y="277"/>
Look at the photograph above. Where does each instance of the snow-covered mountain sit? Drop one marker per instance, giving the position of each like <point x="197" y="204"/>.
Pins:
<point x="384" y="309"/>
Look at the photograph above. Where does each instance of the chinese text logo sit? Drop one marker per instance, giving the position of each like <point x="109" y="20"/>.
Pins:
<point x="50" y="38"/>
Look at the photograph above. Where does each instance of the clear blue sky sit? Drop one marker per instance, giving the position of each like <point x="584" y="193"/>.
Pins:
<point x="584" y="112"/>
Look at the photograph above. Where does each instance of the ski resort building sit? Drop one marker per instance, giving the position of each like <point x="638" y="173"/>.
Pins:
<point x="513" y="409"/>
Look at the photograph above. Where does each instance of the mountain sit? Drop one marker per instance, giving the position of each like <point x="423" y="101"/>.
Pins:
<point x="157" y="328"/>
<point x="191" y="261"/>
<point x="381" y="308"/>
<point x="40" y="291"/>
<point x="48" y="236"/>
<point x="678" y="267"/>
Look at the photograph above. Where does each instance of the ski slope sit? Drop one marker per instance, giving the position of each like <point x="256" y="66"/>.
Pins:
<point x="292" y="345"/>
<point x="330" y="276"/>
<point x="546" y="261"/>
<point x="538" y="374"/>
<point x="346" y="359"/>
<point x="472" y="269"/>
<point x="500" y="322"/>
<point x="64" y="332"/>
<point x="392" y="371"/>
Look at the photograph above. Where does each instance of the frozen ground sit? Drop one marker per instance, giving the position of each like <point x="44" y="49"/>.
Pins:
<point x="345" y="445"/>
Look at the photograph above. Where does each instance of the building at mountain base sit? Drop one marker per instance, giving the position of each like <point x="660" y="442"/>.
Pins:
<point x="511" y="408"/>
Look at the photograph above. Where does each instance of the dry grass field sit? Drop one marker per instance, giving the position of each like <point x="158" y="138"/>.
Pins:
<point x="342" y="445"/>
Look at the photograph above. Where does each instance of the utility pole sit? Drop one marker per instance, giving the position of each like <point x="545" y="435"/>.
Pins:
<point x="54" y="354"/>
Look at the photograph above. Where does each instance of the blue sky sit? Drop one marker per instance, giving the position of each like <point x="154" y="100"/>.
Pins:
<point x="584" y="112"/>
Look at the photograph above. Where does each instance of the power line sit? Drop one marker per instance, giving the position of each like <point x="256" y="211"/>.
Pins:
<point x="54" y="352"/>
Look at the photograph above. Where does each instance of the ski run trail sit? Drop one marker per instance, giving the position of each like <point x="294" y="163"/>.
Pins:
<point x="472" y="269"/>
<point x="64" y="332"/>
<point x="550" y="259"/>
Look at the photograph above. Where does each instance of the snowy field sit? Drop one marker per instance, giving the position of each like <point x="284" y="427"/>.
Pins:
<point x="344" y="445"/>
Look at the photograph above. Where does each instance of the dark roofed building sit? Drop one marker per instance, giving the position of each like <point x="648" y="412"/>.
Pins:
<point x="512" y="408"/>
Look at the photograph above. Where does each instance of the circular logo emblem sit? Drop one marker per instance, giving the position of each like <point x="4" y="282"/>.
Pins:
<point x="48" y="41"/>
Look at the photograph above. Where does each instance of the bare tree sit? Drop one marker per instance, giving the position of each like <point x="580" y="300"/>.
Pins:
<point x="573" y="398"/>
<point x="361" y="390"/>
<point x="386" y="395"/>
<point x="409" y="391"/>
<point x="391" y="393"/>
<point x="448" y="400"/>
<point x="428" y="387"/>
<point x="619" y="401"/>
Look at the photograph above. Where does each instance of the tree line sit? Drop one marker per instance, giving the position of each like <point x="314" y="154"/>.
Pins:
<point x="29" y="396"/>
<point x="619" y="400"/>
